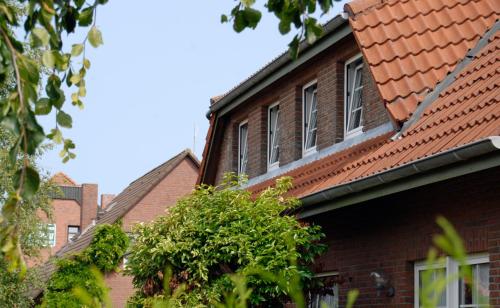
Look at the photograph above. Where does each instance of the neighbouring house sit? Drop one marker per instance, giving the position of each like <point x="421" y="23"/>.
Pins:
<point x="389" y="120"/>
<point x="74" y="208"/>
<point x="142" y="201"/>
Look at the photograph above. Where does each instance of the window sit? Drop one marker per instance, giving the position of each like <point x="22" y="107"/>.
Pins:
<point x="273" y="133"/>
<point x="457" y="293"/>
<point x="73" y="231"/>
<point x="51" y="235"/>
<point x="324" y="292"/>
<point x="243" y="147"/>
<point x="310" y="114"/>
<point x="353" y="120"/>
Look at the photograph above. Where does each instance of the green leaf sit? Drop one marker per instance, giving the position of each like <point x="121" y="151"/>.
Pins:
<point x="223" y="18"/>
<point x="40" y="36"/>
<point x="43" y="106"/>
<point x="86" y="63"/>
<point x="64" y="119"/>
<point x="85" y="17"/>
<point x="252" y="16"/>
<point x="95" y="37"/>
<point x="30" y="183"/>
<point x="48" y="59"/>
<point x="76" y="50"/>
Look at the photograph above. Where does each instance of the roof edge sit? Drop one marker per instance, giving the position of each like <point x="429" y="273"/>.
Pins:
<point x="395" y="175"/>
<point x="281" y="61"/>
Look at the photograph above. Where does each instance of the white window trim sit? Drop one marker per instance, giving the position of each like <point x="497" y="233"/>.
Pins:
<point x="239" y="144"/>
<point x="357" y="130"/>
<point x="451" y="266"/>
<point x="275" y="165"/>
<point x="312" y="149"/>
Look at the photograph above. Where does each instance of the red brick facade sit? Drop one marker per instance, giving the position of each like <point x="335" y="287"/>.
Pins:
<point x="394" y="232"/>
<point x="328" y="70"/>
<point x="178" y="183"/>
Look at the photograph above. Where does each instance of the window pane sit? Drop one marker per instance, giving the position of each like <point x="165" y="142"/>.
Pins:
<point x="310" y="117"/>
<point x="243" y="149"/>
<point x="72" y="232"/>
<point x="477" y="293"/>
<point x="51" y="235"/>
<point x="432" y="276"/>
<point x="273" y="146"/>
<point x="354" y="103"/>
<point x="325" y="294"/>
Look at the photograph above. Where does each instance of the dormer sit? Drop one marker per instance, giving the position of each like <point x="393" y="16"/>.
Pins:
<point x="292" y="112"/>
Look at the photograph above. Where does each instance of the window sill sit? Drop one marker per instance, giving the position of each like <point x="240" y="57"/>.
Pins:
<point x="355" y="132"/>
<point x="309" y="151"/>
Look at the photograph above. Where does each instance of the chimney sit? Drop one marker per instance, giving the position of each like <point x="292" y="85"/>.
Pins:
<point x="89" y="205"/>
<point x="106" y="200"/>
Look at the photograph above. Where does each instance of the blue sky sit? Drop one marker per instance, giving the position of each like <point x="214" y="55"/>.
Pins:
<point x="150" y="84"/>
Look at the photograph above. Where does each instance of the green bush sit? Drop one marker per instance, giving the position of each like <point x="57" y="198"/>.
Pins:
<point x="218" y="231"/>
<point x="105" y="252"/>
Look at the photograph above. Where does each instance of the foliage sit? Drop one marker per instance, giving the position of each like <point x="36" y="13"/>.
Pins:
<point x="12" y="287"/>
<point x="77" y="280"/>
<point x="224" y="230"/>
<point x="45" y="23"/>
<point x="289" y="13"/>
<point x="108" y="246"/>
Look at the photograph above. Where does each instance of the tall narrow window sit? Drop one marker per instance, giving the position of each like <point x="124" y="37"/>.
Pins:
<point x="310" y="113"/>
<point x="243" y="148"/>
<point x="273" y="150"/>
<point x="73" y="232"/>
<point x="324" y="291"/>
<point x="354" y="98"/>
<point x="51" y="235"/>
<point x="477" y="293"/>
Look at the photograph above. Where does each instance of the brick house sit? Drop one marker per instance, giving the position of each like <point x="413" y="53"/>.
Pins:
<point x="73" y="210"/>
<point x="389" y="120"/>
<point x="142" y="201"/>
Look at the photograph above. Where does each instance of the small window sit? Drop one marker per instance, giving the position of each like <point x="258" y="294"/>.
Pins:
<point x="310" y="114"/>
<point x="51" y="235"/>
<point x="273" y="133"/>
<point x="354" y="97"/>
<point x="324" y="291"/>
<point x="243" y="148"/>
<point x="73" y="231"/>
<point x="457" y="293"/>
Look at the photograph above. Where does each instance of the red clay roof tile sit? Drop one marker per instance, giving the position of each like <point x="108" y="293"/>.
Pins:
<point x="411" y="45"/>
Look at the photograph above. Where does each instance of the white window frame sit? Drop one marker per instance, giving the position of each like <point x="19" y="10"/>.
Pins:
<point x="452" y="267"/>
<point x="275" y="165"/>
<point x="54" y="242"/>
<point x="328" y="274"/>
<point x="311" y="150"/>
<point x="357" y="130"/>
<point x="242" y="123"/>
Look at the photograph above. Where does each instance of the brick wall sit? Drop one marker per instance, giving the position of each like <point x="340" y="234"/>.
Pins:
<point x="392" y="233"/>
<point x="65" y="213"/>
<point x="178" y="183"/>
<point x="328" y="69"/>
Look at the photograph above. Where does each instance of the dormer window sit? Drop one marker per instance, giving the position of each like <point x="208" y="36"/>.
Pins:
<point x="243" y="147"/>
<point x="273" y="133"/>
<point x="353" y="123"/>
<point x="309" y="121"/>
